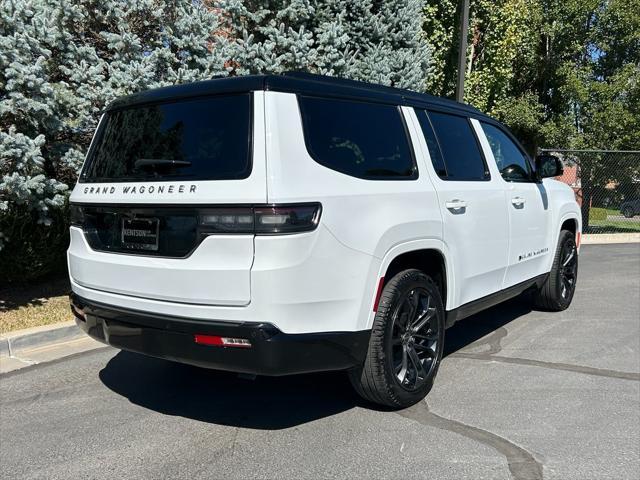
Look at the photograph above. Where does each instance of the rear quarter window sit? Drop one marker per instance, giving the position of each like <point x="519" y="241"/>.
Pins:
<point x="363" y="140"/>
<point x="196" y="139"/>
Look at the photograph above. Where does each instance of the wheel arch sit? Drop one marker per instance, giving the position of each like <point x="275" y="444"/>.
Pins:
<point x="428" y="260"/>
<point x="430" y="256"/>
<point x="571" y="222"/>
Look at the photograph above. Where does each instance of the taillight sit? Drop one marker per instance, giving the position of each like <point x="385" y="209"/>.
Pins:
<point x="286" y="219"/>
<point x="262" y="220"/>
<point x="76" y="215"/>
<point x="227" y="220"/>
<point x="258" y="219"/>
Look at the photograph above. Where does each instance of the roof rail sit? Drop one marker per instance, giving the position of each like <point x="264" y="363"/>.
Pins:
<point x="347" y="82"/>
<point x="376" y="87"/>
<point x="295" y="82"/>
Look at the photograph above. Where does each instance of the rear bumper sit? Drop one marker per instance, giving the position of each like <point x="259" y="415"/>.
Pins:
<point x="272" y="352"/>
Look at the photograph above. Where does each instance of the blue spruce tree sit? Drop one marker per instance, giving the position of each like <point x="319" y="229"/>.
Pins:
<point x="61" y="62"/>
<point x="375" y="41"/>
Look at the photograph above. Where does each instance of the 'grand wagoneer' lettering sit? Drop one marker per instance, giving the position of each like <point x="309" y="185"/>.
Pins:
<point x="141" y="189"/>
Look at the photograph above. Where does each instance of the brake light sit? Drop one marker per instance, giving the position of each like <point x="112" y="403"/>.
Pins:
<point x="265" y="220"/>
<point x="227" y="220"/>
<point x="286" y="219"/>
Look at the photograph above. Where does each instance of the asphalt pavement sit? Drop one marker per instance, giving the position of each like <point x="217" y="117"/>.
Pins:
<point x="520" y="395"/>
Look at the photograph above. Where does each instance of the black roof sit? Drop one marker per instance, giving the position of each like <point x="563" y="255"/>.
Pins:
<point x="295" y="82"/>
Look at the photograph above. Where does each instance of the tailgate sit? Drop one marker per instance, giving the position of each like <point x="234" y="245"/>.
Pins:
<point x="216" y="273"/>
<point x="159" y="209"/>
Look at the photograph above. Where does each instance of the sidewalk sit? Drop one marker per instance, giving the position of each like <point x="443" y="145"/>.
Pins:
<point x="35" y="345"/>
<point x="602" y="238"/>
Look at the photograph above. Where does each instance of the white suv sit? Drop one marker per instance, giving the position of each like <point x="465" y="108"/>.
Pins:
<point x="284" y="224"/>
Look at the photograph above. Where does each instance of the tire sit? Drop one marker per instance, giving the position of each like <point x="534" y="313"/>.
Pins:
<point x="390" y="375"/>
<point x="557" y="292"/>
<point x="628" y="212"/>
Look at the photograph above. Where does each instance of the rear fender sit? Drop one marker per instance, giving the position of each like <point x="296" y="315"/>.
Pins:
<point x="394" y="252"/>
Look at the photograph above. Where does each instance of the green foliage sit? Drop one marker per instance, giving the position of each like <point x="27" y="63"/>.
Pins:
<point x="562" y="74"/>
<point x="442" y="33"/>
<point x="500" y="38"/>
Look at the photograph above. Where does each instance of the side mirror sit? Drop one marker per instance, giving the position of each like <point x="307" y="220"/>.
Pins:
<point x="548" y="166"/>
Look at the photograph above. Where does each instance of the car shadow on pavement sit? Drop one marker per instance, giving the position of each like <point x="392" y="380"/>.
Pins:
<point x="469" y="330"/>
<point x="266" y="403"/>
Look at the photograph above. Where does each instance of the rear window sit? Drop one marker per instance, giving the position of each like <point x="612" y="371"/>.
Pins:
<point x="364" y="140"/>
<point x="199" y="139"/>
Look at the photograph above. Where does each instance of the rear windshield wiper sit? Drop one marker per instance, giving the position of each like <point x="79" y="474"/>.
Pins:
<point x="158" y="162"/>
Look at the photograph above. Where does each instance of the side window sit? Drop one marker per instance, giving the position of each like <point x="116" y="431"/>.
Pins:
<point x="459" y="146"/>
<point x="432" y="143"/>
<point x="512" y="163"/>
<point x="364" y="140"/>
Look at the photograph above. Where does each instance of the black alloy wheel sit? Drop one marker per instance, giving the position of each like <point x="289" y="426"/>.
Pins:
<point x="557" y="291"/>
<point x="568" y="269"/>
<point x="406" y="344"/>
<point x="414" y="341"/>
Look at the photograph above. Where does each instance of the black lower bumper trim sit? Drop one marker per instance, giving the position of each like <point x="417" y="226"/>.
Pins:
<point x="272" y="352"/>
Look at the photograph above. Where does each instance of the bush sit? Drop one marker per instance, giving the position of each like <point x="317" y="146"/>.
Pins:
<point x="31" y="248"/>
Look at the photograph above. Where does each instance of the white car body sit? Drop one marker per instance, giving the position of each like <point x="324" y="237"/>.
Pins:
<point x="491" y="235"/>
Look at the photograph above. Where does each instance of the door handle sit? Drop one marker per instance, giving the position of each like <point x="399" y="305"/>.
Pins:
<point x="456" y="205"/>
<point x="518" y="201"/>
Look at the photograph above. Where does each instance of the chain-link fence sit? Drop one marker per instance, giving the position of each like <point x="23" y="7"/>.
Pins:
<point x="607" y="187"/>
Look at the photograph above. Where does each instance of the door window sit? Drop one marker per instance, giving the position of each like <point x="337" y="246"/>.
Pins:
<point x="512" y="163"/>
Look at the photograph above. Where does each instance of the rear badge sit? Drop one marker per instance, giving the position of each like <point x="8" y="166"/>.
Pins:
<point x="141" y="189"/>
<point x="140" y="233"/>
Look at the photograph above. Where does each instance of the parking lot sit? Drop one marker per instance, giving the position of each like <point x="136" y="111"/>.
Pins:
<point x="521" y="394"/>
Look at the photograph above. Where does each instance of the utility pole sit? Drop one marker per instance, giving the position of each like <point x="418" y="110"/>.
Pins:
<point x="462" y="51"/>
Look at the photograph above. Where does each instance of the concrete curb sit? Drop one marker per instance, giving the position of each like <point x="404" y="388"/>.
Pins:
<point x="13" y="342"/>
<point x="602" y="238"/>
